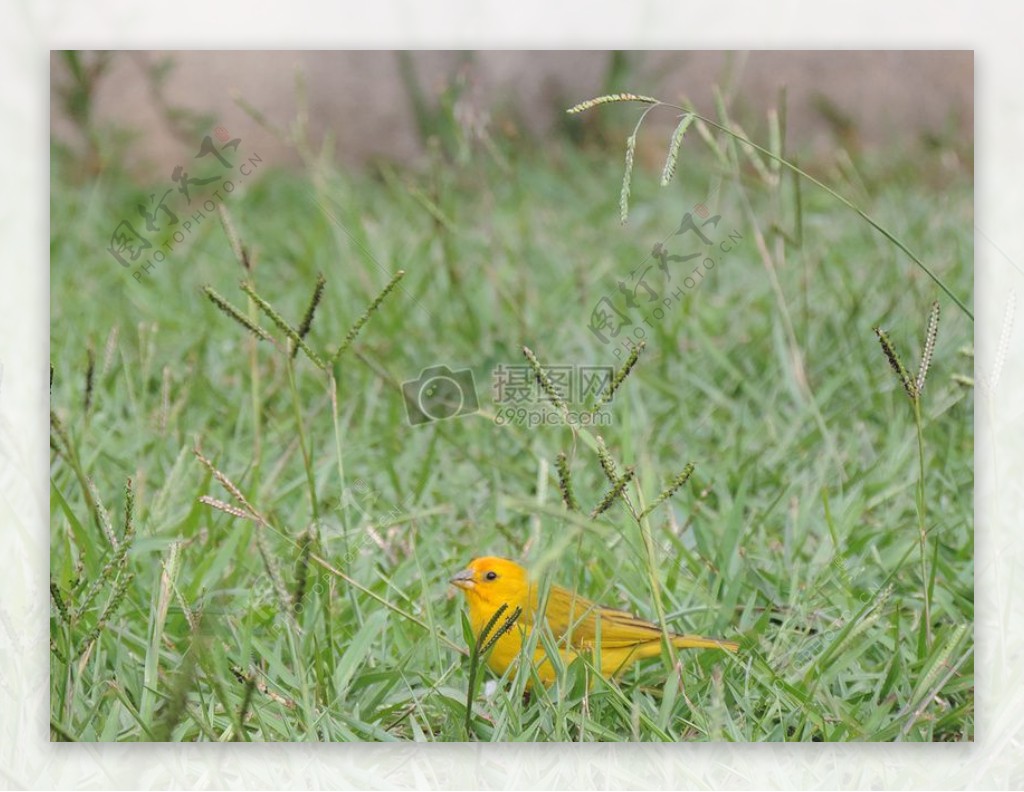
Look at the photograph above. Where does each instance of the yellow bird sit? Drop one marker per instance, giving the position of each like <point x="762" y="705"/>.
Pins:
<point x="489" y="583"/>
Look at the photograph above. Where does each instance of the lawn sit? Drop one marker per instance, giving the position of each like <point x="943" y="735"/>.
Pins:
<point x="246" y="545"/>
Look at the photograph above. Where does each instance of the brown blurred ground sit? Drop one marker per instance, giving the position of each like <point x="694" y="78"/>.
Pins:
<point x="857" y="98"/>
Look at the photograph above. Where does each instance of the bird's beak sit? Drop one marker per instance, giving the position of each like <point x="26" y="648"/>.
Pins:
<point x="463" y="579"/>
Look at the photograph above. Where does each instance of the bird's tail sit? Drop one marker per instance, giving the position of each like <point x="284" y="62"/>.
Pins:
<point x="699" y="642"/>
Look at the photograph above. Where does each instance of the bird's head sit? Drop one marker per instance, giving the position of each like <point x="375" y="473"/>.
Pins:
<point x="493" y="581"/>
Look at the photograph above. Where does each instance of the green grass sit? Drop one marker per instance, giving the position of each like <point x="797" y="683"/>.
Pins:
<point x="798" y="533"/>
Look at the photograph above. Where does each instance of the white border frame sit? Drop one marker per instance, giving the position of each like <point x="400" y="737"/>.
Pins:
<point x="28" y="760"/>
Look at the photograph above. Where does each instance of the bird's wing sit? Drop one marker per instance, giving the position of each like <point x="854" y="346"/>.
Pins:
<point x="618" y="628"/>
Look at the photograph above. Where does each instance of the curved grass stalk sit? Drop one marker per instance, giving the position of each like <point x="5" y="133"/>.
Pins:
<point x="843" y="200"/>
<point x="787" y="164"/>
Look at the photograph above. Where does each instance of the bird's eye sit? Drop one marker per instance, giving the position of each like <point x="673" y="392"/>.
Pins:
<point x="492" y="575"/>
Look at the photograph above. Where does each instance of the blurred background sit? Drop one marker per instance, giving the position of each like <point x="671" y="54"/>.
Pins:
<point x="384" y="104"/>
